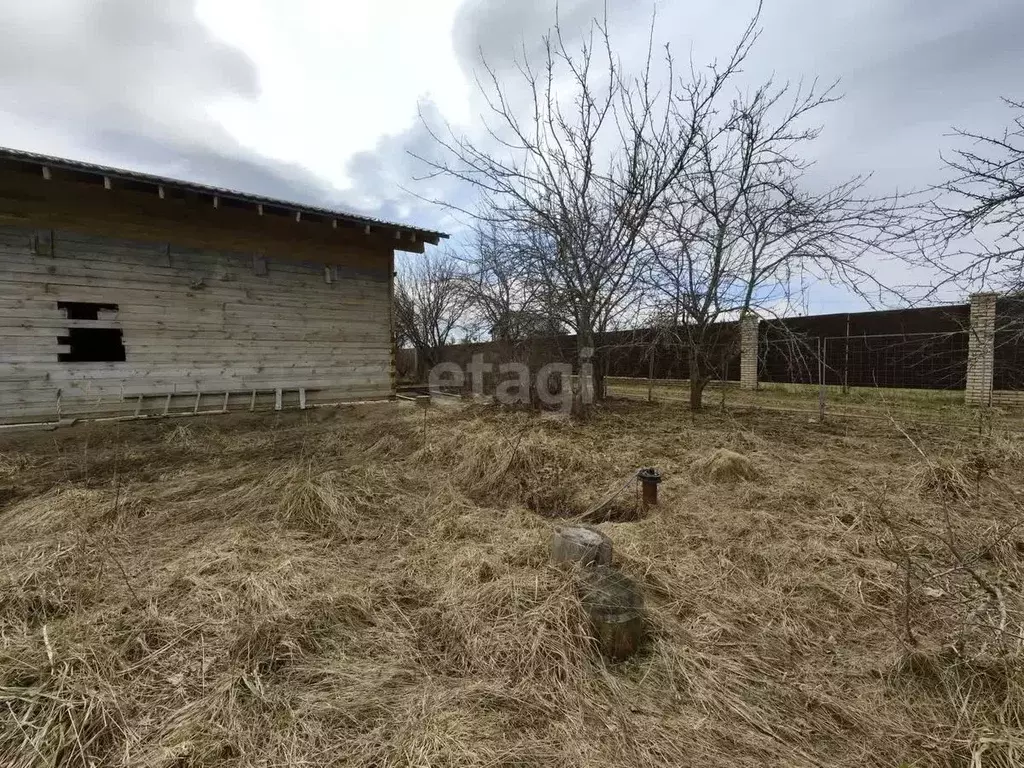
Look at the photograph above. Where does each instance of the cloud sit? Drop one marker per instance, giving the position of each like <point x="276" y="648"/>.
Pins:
<point x="391" y="180"/>
<point x="128" y="84"/>
<point x="908" y="76"/>
<point x="501" y="32"/>
<point x="158" y="87"/>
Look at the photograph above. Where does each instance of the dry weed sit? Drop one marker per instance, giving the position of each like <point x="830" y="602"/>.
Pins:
<point x="11" y="464"/>
<point x="944" y="479"/>
<point x="338" y="592"/>
<point x="724" y="466"/>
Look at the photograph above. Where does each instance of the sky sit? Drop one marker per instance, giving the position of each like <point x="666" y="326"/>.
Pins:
<point x="319" y="101"/>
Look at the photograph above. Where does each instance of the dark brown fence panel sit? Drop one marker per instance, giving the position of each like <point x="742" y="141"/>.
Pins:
<point x="918" y="360"/>
<point x="1008" y="362"/>
<point x="921" y="348"/>
<point x="624" y="353"/>
<point x="630" y="353"/>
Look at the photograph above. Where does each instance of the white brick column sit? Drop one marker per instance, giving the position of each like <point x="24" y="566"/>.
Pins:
<point x="981" y="349"/>
<point x="748" y="351"/>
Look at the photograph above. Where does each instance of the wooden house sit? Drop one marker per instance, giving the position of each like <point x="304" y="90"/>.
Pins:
<point x="128" y="294"/>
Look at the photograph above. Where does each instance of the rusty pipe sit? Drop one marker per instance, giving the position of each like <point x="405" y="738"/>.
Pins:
<point x="649" y="478"/>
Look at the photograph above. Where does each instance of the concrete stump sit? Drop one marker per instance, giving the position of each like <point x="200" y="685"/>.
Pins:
<point x="615" y="607"/>
<point x="583" y="546"/>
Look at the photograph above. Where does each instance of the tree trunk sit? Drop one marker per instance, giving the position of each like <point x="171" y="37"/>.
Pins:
<point x="600" y="373"/>
<point x="587" y="373"/>
<point x="426" y="358"/>
<point x="422" y="367"/>
<point x="697" y="393"/>
<point x="697" y="381"/>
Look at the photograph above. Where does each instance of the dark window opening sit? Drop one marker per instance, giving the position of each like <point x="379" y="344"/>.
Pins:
<point x="92" y="345"/>
<point x="83" y="310"/>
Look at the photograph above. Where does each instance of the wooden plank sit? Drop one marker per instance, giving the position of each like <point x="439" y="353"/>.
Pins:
<point x="160" y="387"/>
<point x="88" y="290"/>
<point x="62" y="323"/>
<point x="268" y="327"/>
<point x="37" y="357"/>
<point x="199" y="316"/>
<point x="337" y="351"/>
<point x="27" y="305"/>
<point x="38" y="284"/>
<point x="48" y="395"/>
<point x="122" y="254"/>
<point x="28" y="414"/>
<point x="28" y="279"/>
<point x="157" y="294"/>
<point x="42" y="243"/>
<point x="235" y="264"/>
<point x="183" y="336"/>
<point x="21" y="346"/>
<point x="57" y="371"/>
<point x="290" y="330"/>
<point x="157" y="388"/>
<point x="238" y="265"/>
<point x="250" y="367"/>
<point x="135" y="214"/>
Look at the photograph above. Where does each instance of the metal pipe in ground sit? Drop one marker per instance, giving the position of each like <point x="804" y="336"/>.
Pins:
<point x="649" y="478"/>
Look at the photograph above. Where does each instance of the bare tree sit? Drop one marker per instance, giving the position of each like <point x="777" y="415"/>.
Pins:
<point x="430" y="303"/>
<point x="743" y="226"/>
<point x="973" y="231"/>
<point x="579" y="170"/>
<point x="504" y="301"/>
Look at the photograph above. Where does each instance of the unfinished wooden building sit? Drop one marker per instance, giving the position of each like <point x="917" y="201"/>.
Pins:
<point x="128" y="294"/>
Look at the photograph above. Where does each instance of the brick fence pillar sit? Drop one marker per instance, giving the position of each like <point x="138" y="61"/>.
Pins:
<point x="981" y="349"/>
<point x="748" y="351"/>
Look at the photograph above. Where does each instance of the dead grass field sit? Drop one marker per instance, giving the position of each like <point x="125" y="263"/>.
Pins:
<point x="945" y="407"/>
<point x="336" y="588"/>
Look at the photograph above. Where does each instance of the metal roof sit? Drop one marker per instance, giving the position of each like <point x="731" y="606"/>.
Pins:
<point x="427" y="235"/>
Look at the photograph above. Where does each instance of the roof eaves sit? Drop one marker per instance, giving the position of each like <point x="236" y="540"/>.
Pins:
<point x="49" y="161"/>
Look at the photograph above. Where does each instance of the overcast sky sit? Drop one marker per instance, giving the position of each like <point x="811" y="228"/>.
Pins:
<point x="316" y="100"/>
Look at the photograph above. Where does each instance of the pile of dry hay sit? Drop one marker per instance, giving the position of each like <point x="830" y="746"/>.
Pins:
<point x="723" y="465"/>
<point x="338" y="592"/>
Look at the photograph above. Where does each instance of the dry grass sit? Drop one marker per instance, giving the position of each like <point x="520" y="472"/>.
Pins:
<point x="724" y="466"/>
<point x="329" y="589"/>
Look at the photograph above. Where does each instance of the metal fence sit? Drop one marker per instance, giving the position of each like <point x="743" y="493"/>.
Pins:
<point x="897" y="360"/>
<point x="909" y="349"/>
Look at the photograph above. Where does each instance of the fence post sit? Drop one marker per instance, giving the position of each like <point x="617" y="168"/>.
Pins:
<point x="748" y="351"/>
<point x="981" y="349"/>
<point x="846" y="358"/>
<point x="822" y="348"/>
<point x="650" y="378"/>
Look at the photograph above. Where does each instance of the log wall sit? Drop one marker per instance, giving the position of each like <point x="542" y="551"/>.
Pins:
<point x="203" y="328"/>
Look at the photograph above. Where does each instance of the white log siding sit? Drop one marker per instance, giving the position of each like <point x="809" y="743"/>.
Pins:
<point x="203" y="330"/>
